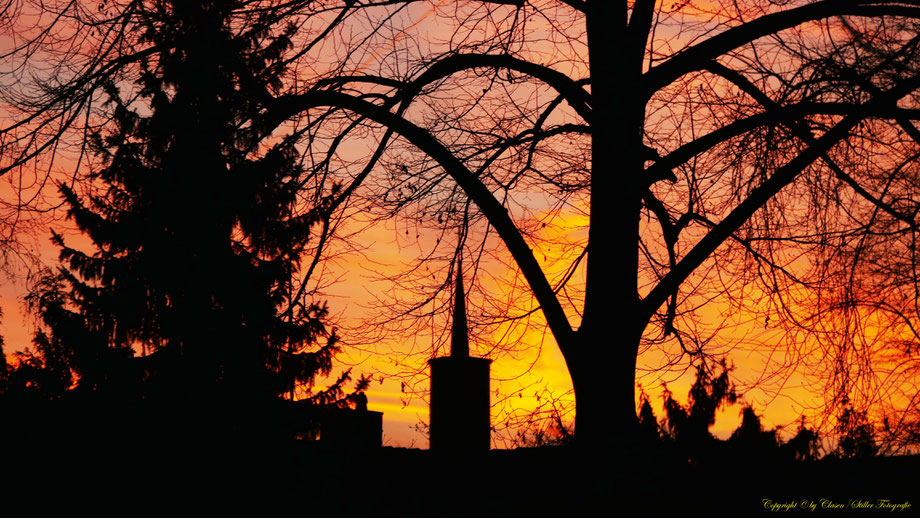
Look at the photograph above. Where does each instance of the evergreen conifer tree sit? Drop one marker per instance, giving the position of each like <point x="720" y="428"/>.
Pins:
<point x="193" y="214"/>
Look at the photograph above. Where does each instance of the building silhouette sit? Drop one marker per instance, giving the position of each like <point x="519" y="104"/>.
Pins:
<point x="343" y="428"/>
<point x="459" y="401"/>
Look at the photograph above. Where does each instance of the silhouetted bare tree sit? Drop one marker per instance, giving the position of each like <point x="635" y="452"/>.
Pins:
<point x="759" y="150"/>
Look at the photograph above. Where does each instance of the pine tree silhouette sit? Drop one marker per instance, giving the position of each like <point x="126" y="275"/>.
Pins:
<point x="195" y="224"/>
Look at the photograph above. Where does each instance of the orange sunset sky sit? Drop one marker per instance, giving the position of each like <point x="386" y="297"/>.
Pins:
<point x="527" y="371"/>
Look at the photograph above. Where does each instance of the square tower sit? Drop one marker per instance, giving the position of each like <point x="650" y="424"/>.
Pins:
<point x="459" y="402"/>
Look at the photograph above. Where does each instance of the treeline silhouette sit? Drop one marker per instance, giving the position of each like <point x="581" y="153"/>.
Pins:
<point x="683" y="431"/>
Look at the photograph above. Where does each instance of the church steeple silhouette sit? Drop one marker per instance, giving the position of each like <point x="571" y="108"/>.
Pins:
<point x="459" y="335"/>
<point x="459" y="402"/>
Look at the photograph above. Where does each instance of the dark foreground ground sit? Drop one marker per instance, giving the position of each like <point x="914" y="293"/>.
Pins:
<point x="176" y="476"/>
<point x="562" y="483"/>
<point x="172" y="460"/>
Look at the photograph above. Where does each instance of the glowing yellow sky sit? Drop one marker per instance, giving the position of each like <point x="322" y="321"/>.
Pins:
<point x="527" y="368"/>
<point x="529" y="375"/>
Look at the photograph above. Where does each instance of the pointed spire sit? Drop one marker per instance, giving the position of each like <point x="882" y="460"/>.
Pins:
<point x="459" y="339"/>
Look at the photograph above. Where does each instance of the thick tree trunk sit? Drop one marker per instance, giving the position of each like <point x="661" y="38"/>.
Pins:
<point x="604" y="383"/>
<point x="603" y="373"/>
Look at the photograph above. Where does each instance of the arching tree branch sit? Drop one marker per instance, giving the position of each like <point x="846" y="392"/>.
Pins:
<point x="491" y="208"/>
<point x="700" y="55"/>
